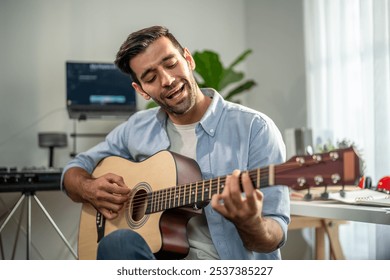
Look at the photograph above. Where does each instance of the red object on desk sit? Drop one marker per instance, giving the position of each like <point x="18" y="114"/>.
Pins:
<point x="384" y="184"/>
<point x="365" y="182"/>
<point x="361" y="182"/>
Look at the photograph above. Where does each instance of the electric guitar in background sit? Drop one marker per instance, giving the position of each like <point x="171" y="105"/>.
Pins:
<point x="166" y="185"/>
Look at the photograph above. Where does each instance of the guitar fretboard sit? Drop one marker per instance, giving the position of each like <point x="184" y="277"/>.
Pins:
<point x="201" y="191"/>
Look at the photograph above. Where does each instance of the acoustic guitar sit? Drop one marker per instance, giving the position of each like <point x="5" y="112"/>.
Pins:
<point x="166" y="185"/>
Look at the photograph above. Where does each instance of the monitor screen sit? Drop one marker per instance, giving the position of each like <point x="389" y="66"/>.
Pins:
<point x="97" y="90"/>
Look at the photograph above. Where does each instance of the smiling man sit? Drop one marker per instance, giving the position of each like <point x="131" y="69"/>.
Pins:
<point x="166" y="77"/>
<point x="240" y="222"/>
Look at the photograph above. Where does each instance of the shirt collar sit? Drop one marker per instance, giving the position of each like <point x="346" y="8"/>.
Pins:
<point x="213" y="114"/>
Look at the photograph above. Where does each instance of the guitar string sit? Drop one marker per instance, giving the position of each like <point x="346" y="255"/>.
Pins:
<point x="161" y="200"/>
<point x="198" y="185"/>
<point x="263" y="174"/>
<point x="158" y="198"/>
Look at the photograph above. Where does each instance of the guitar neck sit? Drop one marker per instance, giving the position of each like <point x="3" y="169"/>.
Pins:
<point x="338" y="167"/>
<point x="201" y="191"/>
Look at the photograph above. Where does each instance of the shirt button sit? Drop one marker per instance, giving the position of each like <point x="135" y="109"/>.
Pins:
<point x="211" y="130"/>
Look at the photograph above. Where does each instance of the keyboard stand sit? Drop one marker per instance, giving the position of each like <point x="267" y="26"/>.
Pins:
<point x="27" y="195"/>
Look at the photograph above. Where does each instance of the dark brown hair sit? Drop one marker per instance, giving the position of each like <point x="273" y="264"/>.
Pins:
<point x="137" y="42"/>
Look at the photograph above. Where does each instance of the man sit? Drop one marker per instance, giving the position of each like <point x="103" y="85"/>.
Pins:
<point x="222" y="137"/>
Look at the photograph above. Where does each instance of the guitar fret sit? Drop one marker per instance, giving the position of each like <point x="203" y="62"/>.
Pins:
<point x="176" y="201"/>
<point x="158" y="200"/>
<point x="188" y="194"/>
<point x="199" y="193"/>
<point x="180" y="191"/>
<point x="185" y="197"/>
<point x="154" y="202"/>
<point x="148" y="204"/>
<point x="194" y="193"/>
<point x="167" y="199"/>
<point x="161" y="200"/>
<point x="181" y="200"/>
<point x="210" y="188"/>
<point x="184" y="194"/>
<point x="151" y="201"/>
<point x="202" y="197"/>
<point x="178" y="196"/>
<point x="173" y="195"/>
<point x="170" y="197"/>
<point x="164" y="199"/>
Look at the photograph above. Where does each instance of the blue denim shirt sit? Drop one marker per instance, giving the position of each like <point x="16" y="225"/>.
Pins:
<point x="230" y="136"/>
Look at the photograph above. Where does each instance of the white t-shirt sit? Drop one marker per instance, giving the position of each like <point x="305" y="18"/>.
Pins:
<point x="183" y="141"/>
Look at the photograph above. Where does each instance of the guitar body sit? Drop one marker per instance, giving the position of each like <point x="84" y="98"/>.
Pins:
<point x="164" y="232"/>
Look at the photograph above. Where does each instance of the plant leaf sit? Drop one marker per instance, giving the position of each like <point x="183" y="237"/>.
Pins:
<point x="240" y="58"/>
<point x="230" y="76"/>
<point x="239" y="89"/>
<point x="209" y="68"/>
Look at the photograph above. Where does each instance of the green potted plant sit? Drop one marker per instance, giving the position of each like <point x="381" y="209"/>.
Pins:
<point x="211" y="73"/>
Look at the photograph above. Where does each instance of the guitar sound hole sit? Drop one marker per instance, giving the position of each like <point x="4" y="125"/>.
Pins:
<point x="139" y="205"/>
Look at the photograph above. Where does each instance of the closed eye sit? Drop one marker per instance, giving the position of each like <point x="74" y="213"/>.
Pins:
<point x="151" y="80"/>
<point x="170" y="66"/>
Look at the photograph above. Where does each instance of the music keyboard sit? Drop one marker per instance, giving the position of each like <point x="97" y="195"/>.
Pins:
<point x="30" y="180"/>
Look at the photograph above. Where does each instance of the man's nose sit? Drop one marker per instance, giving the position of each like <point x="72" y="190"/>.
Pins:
<point x="166" y="79"/>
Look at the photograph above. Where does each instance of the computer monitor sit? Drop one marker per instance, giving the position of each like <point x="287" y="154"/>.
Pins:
<point x="98" y="90"/>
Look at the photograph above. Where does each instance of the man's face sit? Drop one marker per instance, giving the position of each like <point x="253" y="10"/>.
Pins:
<point x="166" y="76"/>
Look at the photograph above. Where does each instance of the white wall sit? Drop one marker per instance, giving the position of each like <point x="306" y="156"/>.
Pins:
<point x="37" y="37"/>
<point x="275" y="32"/>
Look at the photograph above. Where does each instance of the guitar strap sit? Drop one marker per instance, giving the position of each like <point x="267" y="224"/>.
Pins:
<point x="100" y="224"/>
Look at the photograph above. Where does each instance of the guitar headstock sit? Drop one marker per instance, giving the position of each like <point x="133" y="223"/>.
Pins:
<point x="334" y="168"/>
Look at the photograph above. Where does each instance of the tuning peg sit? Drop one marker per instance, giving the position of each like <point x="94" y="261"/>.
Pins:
<point x="308" y="195"/>
<point x="325" y="195"/>
<point x="317" y="158"/>
<point x="335" y="178"/>
<point x="334" y="155"/>
<point x="301" y="181"/>
<point x="300" y="160"/>
<point x="318" y="180"/>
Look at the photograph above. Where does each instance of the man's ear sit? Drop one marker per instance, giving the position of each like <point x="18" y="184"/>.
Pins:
<point x="189" y="58"/>
<point x="140" y="91"/>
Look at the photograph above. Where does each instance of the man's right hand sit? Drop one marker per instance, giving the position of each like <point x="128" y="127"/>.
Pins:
<point x="108" y="193"/>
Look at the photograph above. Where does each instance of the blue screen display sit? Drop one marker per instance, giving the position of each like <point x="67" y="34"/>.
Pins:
<point x="98" y="89"/>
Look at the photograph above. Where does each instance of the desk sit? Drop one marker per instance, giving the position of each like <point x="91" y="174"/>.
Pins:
<point x="325" y="216"/>
<point x="322" y="227"/>
<point x="334" y="210"/>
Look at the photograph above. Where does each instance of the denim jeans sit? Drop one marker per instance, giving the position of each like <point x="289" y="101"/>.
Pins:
<point x="124" y="244"/>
